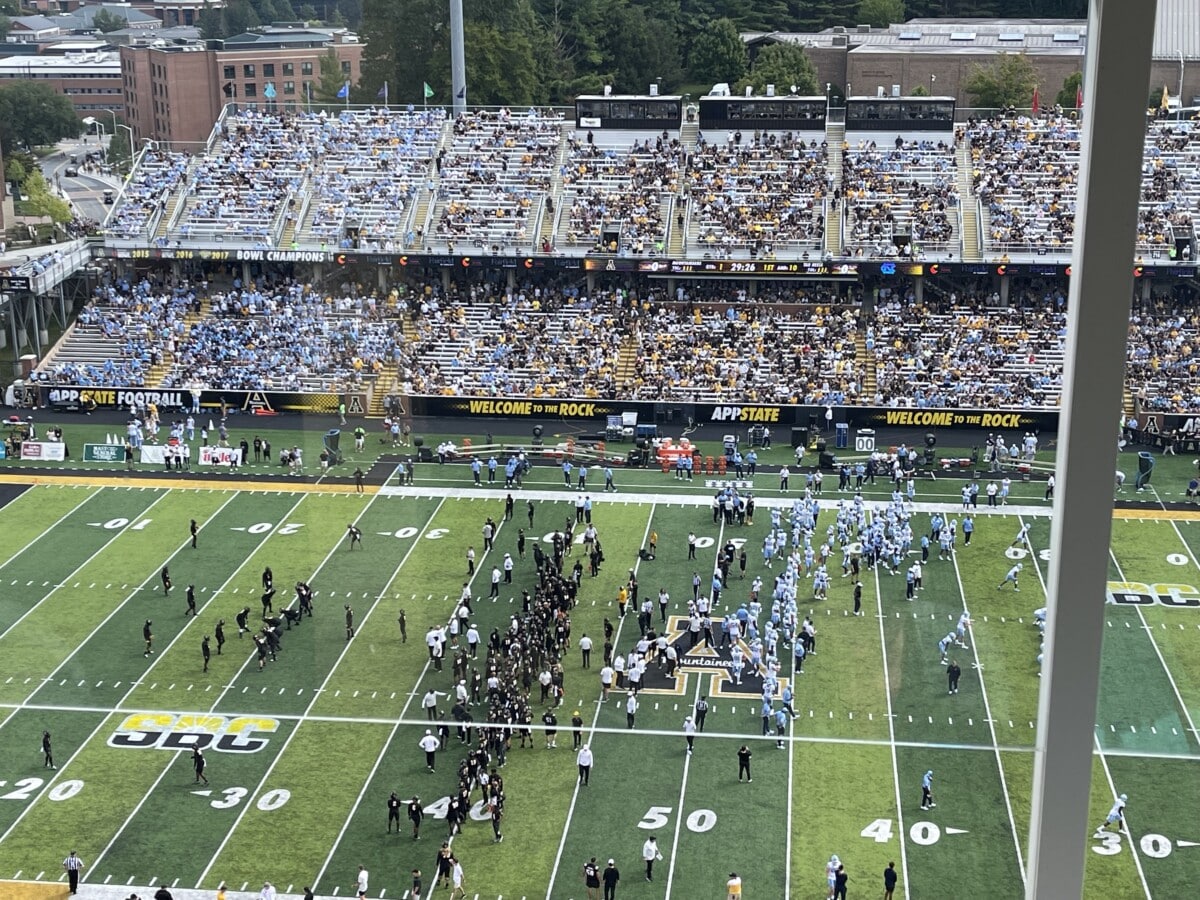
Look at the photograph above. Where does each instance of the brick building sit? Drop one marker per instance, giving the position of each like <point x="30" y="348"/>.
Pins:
<point x="91" y="80"/>
<point x="939" y="54"/>
<point x="174" y="92"/>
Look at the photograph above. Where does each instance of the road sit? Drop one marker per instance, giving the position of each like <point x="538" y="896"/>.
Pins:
<point x="84" y="191"/>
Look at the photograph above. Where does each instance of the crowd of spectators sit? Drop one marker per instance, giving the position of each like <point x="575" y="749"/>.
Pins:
<point x="146" y="193"/>
<point x="370" y="165"/>
<point x="516" y="343"/>
<point x="288" y="338"/>
<point x="754" y="196"/>
<point x="705" y="343"/>
<point x="907" y="191"/>
<point x="625" y="187"/>
<point x="749" y="353"/>
<point x="964" y="354"/>
<point x="1025" y="173"/>
<point x="1162" y="368"/>
<point x="249" y="177"/>
<point x="490" y="179"/>
<point x="141" y="323"/>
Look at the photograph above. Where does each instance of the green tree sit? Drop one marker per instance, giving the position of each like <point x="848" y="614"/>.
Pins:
<point x="34" y="115"/>
<point x="407" y="51"/>
<point x="880" y="13"/>
<point x="211" y="23"/>
<point x="239" y="17"/>
<point x="1009" y="81"/>
<point x="331" y="79"/>
<point x="5" y="24"/>
<point x="642" y="50"/>
<point x="307" y="12"/>
<point x="718" y="54"/>
<point x="1070" y="90"/>
<point x="107" y="21"/>
<point x="782" y="65"/>
<point x="119" y="150"/>
<point x="502" y="67"/>
<point x="42" y="202"/>
<point x="919" y="91"/>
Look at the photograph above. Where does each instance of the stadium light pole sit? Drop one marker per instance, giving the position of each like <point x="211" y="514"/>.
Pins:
<point x="1116" y="82"/>
<point x="458" y="58"/>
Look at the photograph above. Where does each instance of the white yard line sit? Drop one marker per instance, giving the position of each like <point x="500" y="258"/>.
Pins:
<point x="133" y="686"/>
<point x="562" y="843"/>
<point x="387" y="745"/>
<point x="991" y="722"/>
<point x="59" y="521"/>
<point x="1191" y="725"/>
<point x="1137" y="861"/>
<point x="247" y="805"/>
<point x="687" y="760"/>
<point x="233" y="679"/>
<point x="63" y="582"/>
<point x="891" y="717"/>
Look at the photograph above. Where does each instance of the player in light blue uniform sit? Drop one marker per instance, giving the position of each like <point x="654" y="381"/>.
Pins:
<point x="1116" y="816"/>
<point x="1013" y="574"/>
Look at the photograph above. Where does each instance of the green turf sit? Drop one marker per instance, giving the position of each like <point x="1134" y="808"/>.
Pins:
<point x="75" y="666"/>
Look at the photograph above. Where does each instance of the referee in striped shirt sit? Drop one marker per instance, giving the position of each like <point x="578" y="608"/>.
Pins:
<point x="74" y="865"/>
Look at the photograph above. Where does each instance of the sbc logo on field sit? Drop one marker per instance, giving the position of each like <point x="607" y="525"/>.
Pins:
<point x="1134" y="593"/>
<point x="168" y="731"/>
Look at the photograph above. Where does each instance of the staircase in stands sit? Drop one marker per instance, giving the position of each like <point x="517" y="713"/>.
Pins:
<point x="627" y="356"/>
<point x="968" y="208"/>
<point x="866" y="359"/>
<point x="385" y="384"/>
<point x="167" y="214"/>
<point x="688" y="133"/>
<point x="424" y="195"/>
<point x="555" y="190"/>
<point x="161" y="370"/>
<point x="835" y="138"/>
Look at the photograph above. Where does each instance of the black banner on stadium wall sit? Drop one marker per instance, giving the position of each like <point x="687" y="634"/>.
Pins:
<point x="172" y="400"/>
<point x="734" y="416"/>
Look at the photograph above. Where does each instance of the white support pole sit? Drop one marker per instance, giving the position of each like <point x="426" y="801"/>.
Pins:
<point x="1116" y="85"/>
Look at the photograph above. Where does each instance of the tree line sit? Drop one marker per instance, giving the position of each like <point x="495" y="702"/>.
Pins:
<point x="523" y="52"/>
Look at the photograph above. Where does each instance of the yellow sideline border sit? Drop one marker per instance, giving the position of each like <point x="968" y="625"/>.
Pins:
<point x="33" y="890"/>
<point x="275" y="487"/>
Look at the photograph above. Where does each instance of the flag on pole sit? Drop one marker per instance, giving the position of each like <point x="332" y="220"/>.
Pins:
<point x="1079" y="97"/>
<point x="1037" y="101"/>
<point x="344" y="93"/>
<point x="428" y="90"/>
<point x="1165" y="103"/>
<point x="383" y="92"/>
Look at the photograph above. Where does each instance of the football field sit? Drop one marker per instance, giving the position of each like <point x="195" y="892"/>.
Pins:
<point x="303" y="753"/>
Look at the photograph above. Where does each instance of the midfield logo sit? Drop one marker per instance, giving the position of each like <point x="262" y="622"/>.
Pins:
<point x="714" y="662"/>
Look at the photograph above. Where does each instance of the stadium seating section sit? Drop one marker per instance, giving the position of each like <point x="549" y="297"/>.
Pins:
<point x="507" y="181"/>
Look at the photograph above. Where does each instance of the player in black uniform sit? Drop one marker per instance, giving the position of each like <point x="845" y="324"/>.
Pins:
<point x="393" y="808"/>
<point x="355" y="534"/>
<point x="191" y="601"/>
<point x="349" y="622"/>
<point x="198" y="764"/>
<point x="148" y="637"/>
<point x="242" y="619"/>
<point x="268" y="579"/>
<point x="48" y="761"/>
<point x="194" y="528"/>
<point x="219" y="633"/>
<point x="266" y="601"/>
<point x="415" y="814"/>
<point x="165" y="574"/>
<point x="204" y="651"/>
<point x="304" y="595"/>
